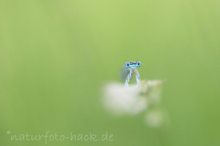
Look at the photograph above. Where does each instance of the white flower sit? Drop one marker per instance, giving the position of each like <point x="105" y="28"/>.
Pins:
<point x="119" y="99"/>
<point x="133" y="99"/>
<point x="154" y="119"/>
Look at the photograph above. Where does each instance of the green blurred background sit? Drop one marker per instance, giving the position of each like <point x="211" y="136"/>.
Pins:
<point x="55" y="56"/>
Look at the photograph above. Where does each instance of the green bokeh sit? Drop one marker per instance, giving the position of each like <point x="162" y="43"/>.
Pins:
<point x="55" y="56"/>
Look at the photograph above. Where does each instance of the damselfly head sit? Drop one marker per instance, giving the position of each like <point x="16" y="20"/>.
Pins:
<point x="133" y="64"/>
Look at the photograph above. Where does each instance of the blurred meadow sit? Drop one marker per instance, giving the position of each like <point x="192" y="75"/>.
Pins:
<point x="56" y="55"/>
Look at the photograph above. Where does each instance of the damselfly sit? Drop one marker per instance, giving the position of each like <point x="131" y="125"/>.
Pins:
<point x="129" y="69"/>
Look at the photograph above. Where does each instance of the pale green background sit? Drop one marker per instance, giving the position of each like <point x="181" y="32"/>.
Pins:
<point x="55" y="56"/>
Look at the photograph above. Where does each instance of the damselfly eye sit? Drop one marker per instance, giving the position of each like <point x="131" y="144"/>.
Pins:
<point x="138" y="63"/>
<point x="127" y="64"/>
